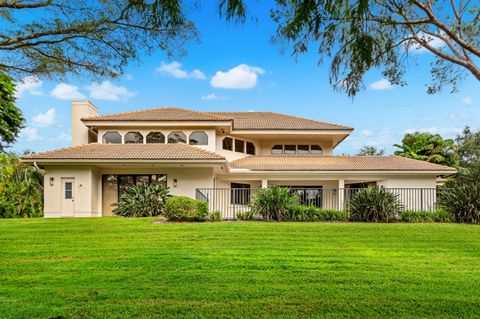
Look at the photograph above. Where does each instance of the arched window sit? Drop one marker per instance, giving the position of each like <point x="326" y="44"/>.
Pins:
<point x="277" y="149"/>
<point x="112" y="138"/>
<point x="155" y="138"/>
<point x="133" y="138"/>
<point x="315" y="149"/>
<point x="227" y="144"/>
<point x="198" y="138"/>
<point x="250" y="148"/>
<point x="177" y="137"/>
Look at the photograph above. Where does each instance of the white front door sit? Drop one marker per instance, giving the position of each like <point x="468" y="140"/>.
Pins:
<point x="68" y="196"/>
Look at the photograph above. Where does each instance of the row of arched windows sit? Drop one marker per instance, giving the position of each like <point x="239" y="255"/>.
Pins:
<point x="195" y="138"/>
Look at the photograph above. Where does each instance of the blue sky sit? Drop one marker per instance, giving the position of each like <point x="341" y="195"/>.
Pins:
<point x="236" y="68"/>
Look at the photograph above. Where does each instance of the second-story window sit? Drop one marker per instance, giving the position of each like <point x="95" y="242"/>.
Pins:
<point x="290" y="149"/>
<point x="315" y="150"/>
<point x="227" y="144"/>
<point x="112" y="138"/>
<point x="133" y="138"/>
<point x="198" y="138"/>
<point x="155" y="138"/>
<point x="239" y="146"/>
<point x="250" y="148"/>
<point x="303" y="149"/>
<point x="277" y="149"/>
<point x="177" y="137"/>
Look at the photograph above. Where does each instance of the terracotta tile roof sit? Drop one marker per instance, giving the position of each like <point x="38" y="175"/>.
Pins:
<point x="275" y="121"/>
<point x="241" y="120"/>
<point x="97" y="151"/>
<point x="158" y="114"/>
<point x="336" y="163"/>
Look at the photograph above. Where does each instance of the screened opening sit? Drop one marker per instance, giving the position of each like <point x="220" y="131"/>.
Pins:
<point x="155" y="138"/>
<point x="227" y="144"/>
<point x="198" y="138"/>
<point x="277" y="149"/>
<point x="302" y="149"/>
<point x="316" y="149"/>
<point x="133" y="138"/>
<point x="239" y="146"/>
<point x="177" y="137"/>
<point x="112" y="138"/>
<point x="290" y="149"/>
<point x="250" y="148"/>
<point x="240" y="193"/>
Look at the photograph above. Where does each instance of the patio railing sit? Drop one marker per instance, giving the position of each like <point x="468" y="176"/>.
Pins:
<point x="231" y="201"/>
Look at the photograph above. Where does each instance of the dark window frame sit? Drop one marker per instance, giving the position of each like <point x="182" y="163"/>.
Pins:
<point x="279" y="149"/>
<point x="133" y="133"/>
<point x="231" y="143"/>
<point x="243" y="146"/>
<point x="247" y="144"/>
<point x="305" y="152"/>
<point x="156" y="133"/>
<point x="240" y="193"/>
<point x="294" y="151"/>
<point x="317" y="152"/>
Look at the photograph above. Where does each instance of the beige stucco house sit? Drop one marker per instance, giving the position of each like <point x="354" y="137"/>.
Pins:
<point x="215" y="156"/>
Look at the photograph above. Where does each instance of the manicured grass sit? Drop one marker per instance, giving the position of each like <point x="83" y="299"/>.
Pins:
<point x="118" y="268"/>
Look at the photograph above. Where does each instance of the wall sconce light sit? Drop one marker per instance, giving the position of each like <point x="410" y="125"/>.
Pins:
<point x="175" y="182"/>
<point x="52" y="179"/>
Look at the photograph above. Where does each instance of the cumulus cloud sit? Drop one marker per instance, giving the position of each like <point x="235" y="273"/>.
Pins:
<point x="175" y="69"/>
<point x="382" y="84"/>
<point x="433" y="41"/>
<point x="29" y="84"/>
<point x="448" y="131"/>
<point x="46" y="119"/>
<point x="211" y="96"/>
<point x="29" y="133"/>
<point x="110" y="92"/>
<point x="64" y="91"/>
<point x="242" y="76"/>
<point x="467" y="100"/>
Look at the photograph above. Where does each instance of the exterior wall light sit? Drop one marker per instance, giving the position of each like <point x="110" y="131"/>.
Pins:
<point x="175" y="182"/>
<point x="52" y="179"/>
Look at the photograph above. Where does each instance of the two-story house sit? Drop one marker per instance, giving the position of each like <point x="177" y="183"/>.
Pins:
<point x="203" y="154"/>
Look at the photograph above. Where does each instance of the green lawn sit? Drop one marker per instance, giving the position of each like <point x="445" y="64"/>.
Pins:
<point x="117" y="268"/>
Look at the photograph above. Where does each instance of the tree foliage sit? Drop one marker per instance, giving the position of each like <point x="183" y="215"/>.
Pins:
<point x="369" y="150"/>
<point x="142" y="201"/>
<point x="428" y="147"/>
<point x="468" y="148"/>
<point x="361" y="35"/>
<point x="55" y="37"/>
<point x="11" y="118"/>
<point x="21" y="188"/>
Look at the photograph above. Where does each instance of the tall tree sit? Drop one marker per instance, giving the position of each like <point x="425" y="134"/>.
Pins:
<point x="56" y="37"/>
<point x="428" y="147"/>
<point x="369" y="150"/>
<point x="468" y="148"/>
<point x="360" y="35"/>
<point x="11" y="119"/>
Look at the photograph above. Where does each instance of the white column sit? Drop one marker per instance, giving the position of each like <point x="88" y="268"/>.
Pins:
<point x="264" y="183"/>
<point x="341" y="193"/>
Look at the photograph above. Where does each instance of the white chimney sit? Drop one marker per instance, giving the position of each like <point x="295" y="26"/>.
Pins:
<point x="81" y="134"/>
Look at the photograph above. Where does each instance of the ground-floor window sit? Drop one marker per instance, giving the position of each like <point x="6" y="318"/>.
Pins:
<point x="240" y="193"/>
<point x="309" y="195"/>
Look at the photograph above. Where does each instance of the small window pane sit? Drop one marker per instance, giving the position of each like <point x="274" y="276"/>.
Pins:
<point x="177" y="137"/>
<point x="155" y="138"/>
<point x="302" y="149"/>
<point x="290" y="149"/>
<point x="142" y="180"/>
<point x="227" y="144"/>
<point x="239" y="146"/>
<point x="198" y="138"/>
<point x="112" y="138"/>
<point x="240" y="194"/>
<point x="277" y="149"/>
<point x="316" y="149"/>
<point x="250" y="148"/>
<point x="68" y="190"/>
<point x="159" y="179"/>
<point x="133" y="138"/>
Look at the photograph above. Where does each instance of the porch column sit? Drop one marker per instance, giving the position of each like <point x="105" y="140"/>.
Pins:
<point x="264" y="183"/>
<point x="341" y="194"/>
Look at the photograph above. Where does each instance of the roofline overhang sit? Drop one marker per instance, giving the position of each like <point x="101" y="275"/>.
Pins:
<point x="148" y="123"/>
<point x="336" y="172"/>
<point x="293" y="132"/>
<point x="121" y="161"/>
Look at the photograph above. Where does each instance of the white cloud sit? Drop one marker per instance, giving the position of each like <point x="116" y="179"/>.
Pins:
<point x="211" y="96"/>
<point x="30" y="134"/>
<point x="447" y="131"/>
<point x="46" y="119"/>
<point x="367" y="133"/>
<point x="175" y="69"/>
<point x="467" y="100"/>
<point x="29" y="84"/>
<point x="64" y="137"/>
<point x="242" y="76"/>
<point x="382" y="84"/>
<point x="110" y="92"/>
<point x="64" y="91"/>
<point x="433" y="41"/>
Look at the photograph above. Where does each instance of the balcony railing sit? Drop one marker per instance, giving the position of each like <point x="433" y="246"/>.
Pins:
<point x="231" y="201"/>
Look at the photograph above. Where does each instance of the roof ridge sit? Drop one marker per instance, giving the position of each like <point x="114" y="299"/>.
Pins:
<point x="310" y="120"/>
<point x="58" y="149"/>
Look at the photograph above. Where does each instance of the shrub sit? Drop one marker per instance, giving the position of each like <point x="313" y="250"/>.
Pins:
<point x="374" y="204"/>
<point x="215" y="217"/>
<point x="142" y="201"/>
<point x="463" y="202"/>
<point x="436" y="216"/>
<point x="182" y="208"/>
<point x="246" y="216"/>
<point x="311" y="213"/>
<point x="273" y="203"/>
